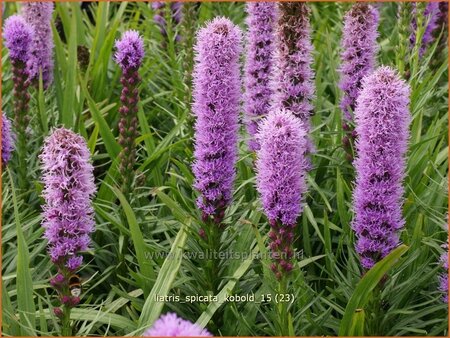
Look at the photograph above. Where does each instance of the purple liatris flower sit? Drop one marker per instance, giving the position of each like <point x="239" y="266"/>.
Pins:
<point x="129" y="55"/>
<point x="359" y="48"/>
<point x="7" y="139"/>
<point x="293" y="79"/>
<point x="281" y="170"/>
<point x="39" y="16"/>
<point x="68" y="216"/>
<point x="431" y="17"/>
<point x="216" y="107"/>
<point x="69" y="187"/>
<point x="382" y="119"/>
<point x="169" y="325"/>
<point x="258" y="68"/>
<point x="18" y="36"/>
<point x="176" y="14"/>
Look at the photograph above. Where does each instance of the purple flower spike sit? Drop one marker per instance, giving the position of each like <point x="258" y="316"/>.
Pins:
<point x="281" y="169"/>
<point x="359" y="48"/>
<point x="258" y="69"/>
<point x="431" y="16"/>
<point x="382" y="120"/>
<point x="68" y="216"/>
<point x="176" y="12"/>
<point x="18" y="37"/>
<point x="129" y="55"/>
<point x="39" y="16"/>
<point x="294" y="77"/>
<point x="7" y="139"/>
<point x="169" y="325"/>
<point x="216" y="107"/>
<point x="129" y="50"/>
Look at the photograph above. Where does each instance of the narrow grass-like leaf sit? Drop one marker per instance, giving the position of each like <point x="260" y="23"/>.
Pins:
<point x="145" y="264"/>
<point x="365" y="287"/>
<point x="164" y="281"/>
<point x="25" y="301"/>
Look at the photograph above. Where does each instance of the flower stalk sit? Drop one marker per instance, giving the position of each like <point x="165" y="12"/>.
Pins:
<point x="382" y="121"/>
<point x="18" y="37"/>
<point x="129" y="55"/>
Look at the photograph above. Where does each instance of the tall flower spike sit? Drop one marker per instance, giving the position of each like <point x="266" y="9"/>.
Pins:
<point x="169" y="325"/>
<point x="431" y="17"/>
<point x="176" y="12"/>
<point x="359" y="48"/>
<point x="258" y="68"/>
<point x="216" y="107"/>
<point x="18" y="37"/>
<point x="39" y="16"/>
<point x="293" y="78"/>
<point x="129" y="55"/>
<point x="382" y="121"/>
<point x="281" y="171"/>
<point x="7" y="139"/>
<point x="68" y="217"/>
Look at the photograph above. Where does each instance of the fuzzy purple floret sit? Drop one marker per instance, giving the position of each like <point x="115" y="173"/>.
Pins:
<point x="293" y="83"/>
<point x="7" y="139"/>
<point x="258" y="68"/>
<point x="68" y="216"/>
<point x="39" y="16"/>
<point x="129" y="50"/>
<point x="169" y="325"/>
<point x="359" y="48"/>
<point x="281" y="166"/>
<point x="216" y="93"/>
<point x="18" y="36"/>
<point x="382" y="119"/>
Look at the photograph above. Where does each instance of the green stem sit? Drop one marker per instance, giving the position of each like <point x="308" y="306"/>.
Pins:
<point x="283" y="307"/>
<point x="66" y="328"/>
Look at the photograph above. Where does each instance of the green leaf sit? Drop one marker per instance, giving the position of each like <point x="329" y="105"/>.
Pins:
<point x="97" y="316"/>
<point x="112" y="147"/>
<point x="206" y="316"/>
<point x="24" y="284"/>
<point x="145" y="264"/>
<point x="166" y="277"/>
<point x="366" y="285"/>
<point x="67" y="113"/>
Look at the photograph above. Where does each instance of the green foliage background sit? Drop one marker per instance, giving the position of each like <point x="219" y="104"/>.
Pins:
<point x="120" y="277"/>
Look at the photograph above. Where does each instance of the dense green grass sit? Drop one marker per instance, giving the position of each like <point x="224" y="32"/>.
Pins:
<point x="122" y="274"/>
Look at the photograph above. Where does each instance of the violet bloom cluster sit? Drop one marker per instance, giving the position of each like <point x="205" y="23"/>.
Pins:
<point x="382" y="120"/>
<point x="170" y="325"/>
<point x="281" y="171"/>
<point x="176" y="12"/>
<point x="258" y="68"/>
<point x="7" y="139"/>
<point x="39" y="16"/>
<point x="431" y="16"/>
<point x="68" y="217"/>
<point x="129" y="55"/>
<point x="359" y="48"/>
<point x="18" y="36"/>
<point x="293" y="73"/>
<point x="216" y="96"/>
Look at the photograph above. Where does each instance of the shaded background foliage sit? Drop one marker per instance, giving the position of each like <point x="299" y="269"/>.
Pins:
<point x="121" y="276"/>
